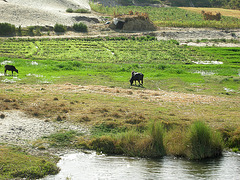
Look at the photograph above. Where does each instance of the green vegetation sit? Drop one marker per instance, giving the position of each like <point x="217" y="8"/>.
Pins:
<point x="16" y="164"/>
<point x="69" y="10"/>
<point x="112" y="60"/>
<point x="171" y="16"/>
<point x="197" y="142"/>
<point x="130" y="121"/>
<point x="80" y="27"/>
<point x="7" y="29"/>
<point x="203" y="142"/>
<point x="233" y="4"/>
<point x="59" y="28"/>
<point x="132" y="142"/>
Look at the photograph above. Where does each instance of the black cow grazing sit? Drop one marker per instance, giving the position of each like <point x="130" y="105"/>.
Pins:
<point x="136" y="76"/>
<point x="10" y="68"/>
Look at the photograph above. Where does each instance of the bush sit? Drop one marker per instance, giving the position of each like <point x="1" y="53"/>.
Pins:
<point x="59" y="28"/>
<point x="81" y="11"/>
<point x="7" y="29"/>
<point x="203" y="142"/>
<point x="30" y="30"/>
<point x="69" y="10"/>
<point x="80" y="27"/>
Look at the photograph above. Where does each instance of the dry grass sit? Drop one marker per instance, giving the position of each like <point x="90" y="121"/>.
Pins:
<point x="98" y="104"/>
<point x="224" y="12"/>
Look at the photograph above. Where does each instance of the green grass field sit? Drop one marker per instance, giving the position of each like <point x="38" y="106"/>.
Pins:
<point x="108" y="62"/>
<point x="200" y="84"/>
<point x="171" y="16"/>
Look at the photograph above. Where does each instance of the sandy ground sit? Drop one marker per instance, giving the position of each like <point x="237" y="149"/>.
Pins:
<point x="17" y="128"/>
<point x="34" y="12"/>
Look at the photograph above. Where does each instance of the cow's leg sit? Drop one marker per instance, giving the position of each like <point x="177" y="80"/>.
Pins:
<point x="139" y="82"/>
<point x="5" y="72"/>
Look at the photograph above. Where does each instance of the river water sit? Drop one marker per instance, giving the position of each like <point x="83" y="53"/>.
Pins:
<point x="91" y="166"/>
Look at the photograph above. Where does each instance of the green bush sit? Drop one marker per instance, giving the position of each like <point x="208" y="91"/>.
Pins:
<point x="59" y="28"/>
<point x="81" y="11"/>
<point x="7" y="29"/>
<point x="69" y="10"/>
<point x="80" y="27"/>
<point x="203" y="142"/>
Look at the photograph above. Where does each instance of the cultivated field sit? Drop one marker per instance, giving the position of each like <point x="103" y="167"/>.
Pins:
<point x="224" y="12"/>
<point x="75" y="93"/>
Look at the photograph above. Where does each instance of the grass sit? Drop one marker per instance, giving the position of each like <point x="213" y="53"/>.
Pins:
<point x="17" y="164"/>
<point x="203" y="142"/>
<point x="72" y="60"/>
<point x="224" y="12"/>
<point x="86" y="81"/>
<point x="172" y="16"/>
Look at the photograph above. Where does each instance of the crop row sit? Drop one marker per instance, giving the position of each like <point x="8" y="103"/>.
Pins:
<point x="127" y="51"/>
<point x="171" y="16"/>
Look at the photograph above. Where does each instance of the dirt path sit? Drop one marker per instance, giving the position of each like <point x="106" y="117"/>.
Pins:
<point x="145" y="94"/>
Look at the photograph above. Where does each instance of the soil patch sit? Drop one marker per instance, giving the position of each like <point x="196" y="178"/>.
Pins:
<point x="17" y="128"/>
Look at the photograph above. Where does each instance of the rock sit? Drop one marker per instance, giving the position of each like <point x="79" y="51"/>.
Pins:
<point x="2" y="116"/>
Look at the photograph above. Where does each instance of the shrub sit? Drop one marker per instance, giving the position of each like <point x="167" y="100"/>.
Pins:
<point x="81" y="11"/>
<point x="80" y="27"/>
<point x="59" y="28"/>
<point x="7" y="29"/>
<point x="30" y="30"/>
<point x="203" y="142"/>
<point x="69" y="10"/>
<point x="19" y="30"/>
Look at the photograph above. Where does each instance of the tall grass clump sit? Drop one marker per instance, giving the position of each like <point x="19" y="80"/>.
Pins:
<point x="133" y="142"/>
<point x="80" y="27"/>
<point x="203" y="142"/>
<point x="174" y="141"/>
<point x="156" y="131"/>
<point x="7" y="29"/>
<point x="59" y="28"/>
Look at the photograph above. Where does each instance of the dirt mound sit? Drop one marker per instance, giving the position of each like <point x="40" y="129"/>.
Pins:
<point x="137" y="22"/>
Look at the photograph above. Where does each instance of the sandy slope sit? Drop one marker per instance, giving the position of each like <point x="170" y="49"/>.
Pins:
<point x="44" y="12"/>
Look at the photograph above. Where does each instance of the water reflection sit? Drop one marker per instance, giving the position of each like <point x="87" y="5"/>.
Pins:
<point x="77" y="166"/>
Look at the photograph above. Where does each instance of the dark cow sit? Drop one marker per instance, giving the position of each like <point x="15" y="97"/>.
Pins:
<point x="136" y="76"/>
<point x="10" y="68"/>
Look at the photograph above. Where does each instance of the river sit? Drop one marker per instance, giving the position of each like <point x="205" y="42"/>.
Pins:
<point x="91" y="166"/>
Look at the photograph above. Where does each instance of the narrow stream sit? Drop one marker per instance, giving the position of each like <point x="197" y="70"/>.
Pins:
<point x="88" y="166"/>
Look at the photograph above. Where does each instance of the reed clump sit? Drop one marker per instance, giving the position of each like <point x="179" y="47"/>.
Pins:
<point x="196" y="142"/>
<point x="133" y="142"/>
<point x="203" y="142"/>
